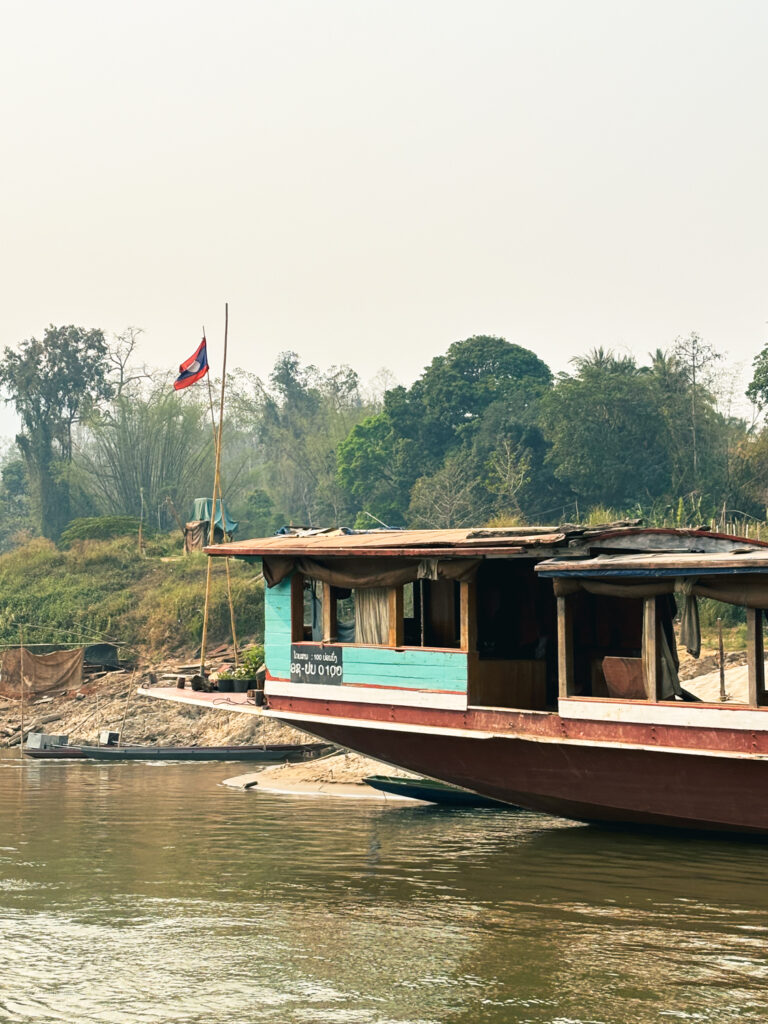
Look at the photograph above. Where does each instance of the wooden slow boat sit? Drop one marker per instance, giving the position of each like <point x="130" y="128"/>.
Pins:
<point x="273" y="753"/>
<point x="537" y="667"/>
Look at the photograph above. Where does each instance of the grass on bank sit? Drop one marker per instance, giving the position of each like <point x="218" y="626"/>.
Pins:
<point x="105" y="589"/>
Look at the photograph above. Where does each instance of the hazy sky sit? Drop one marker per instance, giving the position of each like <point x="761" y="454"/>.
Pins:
<point x="368" y="181"/>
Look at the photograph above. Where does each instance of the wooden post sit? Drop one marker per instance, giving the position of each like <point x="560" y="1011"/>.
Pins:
<point x="217" y="468"/>
<point x="21" y="680"/>
<point x="217" y="493"/>
<point x="468" y="600"/>
<point x="723" y="694"/>
<point x="395" y="617"/>
<point x="755" y="657"/>
<point x="650" y="649"/>
<point x="330" y="626"/>
<point x="297" y="608"/>
<point x="565" y="646"/>
<point x="141" y="522"/>
<point x="125" y="710"/>
<point x="231" y="612"/>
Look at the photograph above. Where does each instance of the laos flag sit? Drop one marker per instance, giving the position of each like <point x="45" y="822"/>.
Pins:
<point x="194" y="368"/>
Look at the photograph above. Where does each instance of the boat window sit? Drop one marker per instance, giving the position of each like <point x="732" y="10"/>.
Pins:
<point x="513" y="660"/>
<point x="431" y="614"/>
<point x="342" y="612"/>
<point x="426" y="614"/>
<point x="515" y="612"/>
<point x="700" y="676"/>
<point x="607" y="646"/>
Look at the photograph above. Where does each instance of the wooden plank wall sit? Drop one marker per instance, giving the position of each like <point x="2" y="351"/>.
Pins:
<point x="277" y="629"/>
<point x="378" y="666"/>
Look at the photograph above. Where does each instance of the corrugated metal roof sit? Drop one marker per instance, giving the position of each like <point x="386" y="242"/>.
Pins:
<point x="485" y="542"/>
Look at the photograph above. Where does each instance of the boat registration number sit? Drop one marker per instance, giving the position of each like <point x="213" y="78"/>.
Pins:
<point x="316" y="663"/>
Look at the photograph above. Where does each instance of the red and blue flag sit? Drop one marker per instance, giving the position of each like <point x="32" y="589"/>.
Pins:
<point x="192" y="369"/>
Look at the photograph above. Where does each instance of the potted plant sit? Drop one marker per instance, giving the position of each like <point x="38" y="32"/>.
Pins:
<point x="249" y="675"/>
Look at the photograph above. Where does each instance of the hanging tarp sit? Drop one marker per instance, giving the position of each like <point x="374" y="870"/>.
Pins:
<point x="43" y="673"/>
<point x="368" y="572"/>
<point x="747" y="591"/>
<point x="203" y="509"/>
<point x="196" y="535"/>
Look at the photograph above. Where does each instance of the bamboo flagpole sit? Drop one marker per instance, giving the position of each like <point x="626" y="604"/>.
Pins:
<point x="216" y="474"/>
<point x="216" y="440"/>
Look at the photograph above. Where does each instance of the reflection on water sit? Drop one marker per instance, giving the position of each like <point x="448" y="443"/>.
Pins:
<point x="149" y="893"/>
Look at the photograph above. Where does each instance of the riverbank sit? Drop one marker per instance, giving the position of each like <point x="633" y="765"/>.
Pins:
<point x="110" y="702"/>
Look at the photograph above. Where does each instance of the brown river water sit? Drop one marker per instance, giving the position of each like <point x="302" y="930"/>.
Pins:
<point x="149" y="893"/>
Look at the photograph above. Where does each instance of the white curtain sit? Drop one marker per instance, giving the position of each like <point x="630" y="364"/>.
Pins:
<point x="372" y="615"/>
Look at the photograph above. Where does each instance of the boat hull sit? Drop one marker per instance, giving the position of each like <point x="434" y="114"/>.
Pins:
<point x="541" y="763"/>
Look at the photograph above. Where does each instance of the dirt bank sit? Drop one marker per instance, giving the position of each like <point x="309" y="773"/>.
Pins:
<point x="104" y="702"/>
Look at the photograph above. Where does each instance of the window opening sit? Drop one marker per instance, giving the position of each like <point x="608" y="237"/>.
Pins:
<point x="428" y="615"/>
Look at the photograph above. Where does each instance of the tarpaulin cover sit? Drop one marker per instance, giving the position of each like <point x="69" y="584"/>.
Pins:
<point x="747" y="591"/>
<point x="104" y="655"/>
<point x="369" y="572"/>
<point x="43" y="673"/>
<point x="195" y="535"/>
<point x="203" y="508"/>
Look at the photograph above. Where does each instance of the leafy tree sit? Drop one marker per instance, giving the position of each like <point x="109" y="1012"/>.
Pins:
<point x="448" y="498"/>
<point x="53" y="383"/>
<point x="696" y="359"/>
<point x="511" y="459"/>
<point x="15" y="506"/>
<point x="144" y="449"/>
<point x="606" y="433"/>
<point x="424" y="425"/>
<point x="303" y="416"/>
<point x="757" y="391"/>
<point x="260" y="519"/>
<point x="376" y="467"/>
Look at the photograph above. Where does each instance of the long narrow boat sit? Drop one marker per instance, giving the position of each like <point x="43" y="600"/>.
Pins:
<point x="538" y="667"/>
<point x="430" y="791"/>
<point x="274" y="753"/>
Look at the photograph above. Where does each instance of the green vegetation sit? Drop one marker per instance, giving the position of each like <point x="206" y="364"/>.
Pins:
<point x="251" y="662"/>
<point x="103" y="589"/>
<point x="53" y="383"/>
<point x="99" y="528"/>
<point x="485" y="434"/>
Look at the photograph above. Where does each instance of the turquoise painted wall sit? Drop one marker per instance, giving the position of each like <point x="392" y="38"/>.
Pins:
<point x="381" y="666"/>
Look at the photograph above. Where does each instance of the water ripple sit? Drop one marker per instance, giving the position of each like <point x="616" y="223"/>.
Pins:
<point x="146" y="894"/>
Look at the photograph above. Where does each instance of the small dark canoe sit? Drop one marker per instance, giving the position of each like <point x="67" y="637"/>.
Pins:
<point x="272" y="753"/>
<point x="431" y="791"/>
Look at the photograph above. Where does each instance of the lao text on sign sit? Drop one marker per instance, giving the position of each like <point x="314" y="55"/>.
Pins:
<point x="316" y="663"/>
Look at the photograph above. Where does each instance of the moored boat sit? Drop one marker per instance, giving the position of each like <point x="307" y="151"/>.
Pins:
<point x="537" y="667"/>
<point x="431" y="791"/>
<point x="273" y="753"/>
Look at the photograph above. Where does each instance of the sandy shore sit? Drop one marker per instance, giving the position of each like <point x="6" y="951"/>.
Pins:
<point x="339" y="775"/>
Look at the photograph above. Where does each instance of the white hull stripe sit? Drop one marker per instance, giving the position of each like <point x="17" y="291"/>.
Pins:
<point x="639" y="713"/>
<point x="368" y="695"/>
